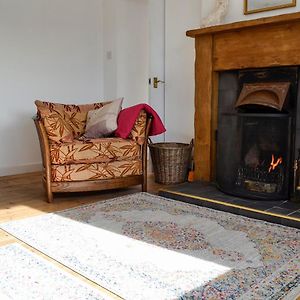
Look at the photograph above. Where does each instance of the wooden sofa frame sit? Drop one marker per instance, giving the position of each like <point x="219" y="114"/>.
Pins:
<point x="88" y="185"/>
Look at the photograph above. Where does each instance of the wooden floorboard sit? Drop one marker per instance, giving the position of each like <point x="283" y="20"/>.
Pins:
<point x="23" y="196"/>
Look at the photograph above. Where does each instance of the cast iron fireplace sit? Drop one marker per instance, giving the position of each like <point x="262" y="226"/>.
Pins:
<point x="255" y="141"/>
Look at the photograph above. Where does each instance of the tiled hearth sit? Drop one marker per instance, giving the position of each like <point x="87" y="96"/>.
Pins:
<point x="206" y="194"/>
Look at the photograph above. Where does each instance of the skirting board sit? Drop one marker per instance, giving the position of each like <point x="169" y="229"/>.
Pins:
<point x="7" y="171"/>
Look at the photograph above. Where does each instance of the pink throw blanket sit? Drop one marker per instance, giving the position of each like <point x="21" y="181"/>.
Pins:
<point x="128" y="116"/>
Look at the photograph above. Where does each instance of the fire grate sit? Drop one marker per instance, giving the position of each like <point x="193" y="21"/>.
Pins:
<point x="258" y="146"/>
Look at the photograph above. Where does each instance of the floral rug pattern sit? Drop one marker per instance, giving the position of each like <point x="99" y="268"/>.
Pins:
<point x="26" y="276"/>
<point x="147" y="247"/>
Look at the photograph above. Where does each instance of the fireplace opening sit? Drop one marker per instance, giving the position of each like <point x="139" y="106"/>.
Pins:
<point x="256" y="129"/>
<point x="263" y="161"/>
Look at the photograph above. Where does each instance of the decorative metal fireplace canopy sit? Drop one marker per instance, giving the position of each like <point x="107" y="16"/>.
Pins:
<point x="270" y="94"/>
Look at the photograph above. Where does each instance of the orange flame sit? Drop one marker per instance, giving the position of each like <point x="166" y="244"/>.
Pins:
<point x="274" y="163"/>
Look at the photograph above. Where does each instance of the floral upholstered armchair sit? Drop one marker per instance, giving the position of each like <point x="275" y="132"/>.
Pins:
<point x="73" y="163"/>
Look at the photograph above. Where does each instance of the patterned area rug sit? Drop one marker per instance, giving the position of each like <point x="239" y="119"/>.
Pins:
<point x="26" y="276"/>
<point x="147" y="247"/>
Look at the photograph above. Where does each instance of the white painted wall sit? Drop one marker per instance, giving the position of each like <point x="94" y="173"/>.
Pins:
<point x="80" y="51"/>
<point x="71" y="51"/>
<point x="179" y="107"/>
<point x="51" y="50"/>
<point x="126" y="50"/>
<point x="182" y="16"/>
<point x="236" y="11"/>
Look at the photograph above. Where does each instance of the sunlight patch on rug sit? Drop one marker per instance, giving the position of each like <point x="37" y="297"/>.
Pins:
<point x="147" y="247"/>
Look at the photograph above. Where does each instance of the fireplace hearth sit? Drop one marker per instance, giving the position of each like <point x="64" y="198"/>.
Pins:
<point x="250" y="54"/>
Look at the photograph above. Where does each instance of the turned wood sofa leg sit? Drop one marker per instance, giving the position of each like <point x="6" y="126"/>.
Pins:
<point x="144" y="185"/>
<point x="47" y="186"/>
<point x="48" y="191"/>
<point x="49" y="196"/>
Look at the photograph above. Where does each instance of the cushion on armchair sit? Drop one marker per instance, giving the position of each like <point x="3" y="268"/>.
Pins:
<point x="93" y="151"/>
<point x="96" y="171"/>
<point x="64" y="122"/>
<point x="102" y="122"/>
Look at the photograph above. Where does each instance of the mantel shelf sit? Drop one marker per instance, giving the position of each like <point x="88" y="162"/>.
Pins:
<point x="286" y="18"/>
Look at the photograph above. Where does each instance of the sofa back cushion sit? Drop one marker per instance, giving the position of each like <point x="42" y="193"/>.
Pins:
<point x="64" y="122"/>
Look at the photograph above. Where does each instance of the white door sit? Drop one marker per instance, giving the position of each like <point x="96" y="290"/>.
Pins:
<point x="157" y="59"/>
<point x="172" y="58"/>
<point x="179" y="68"/>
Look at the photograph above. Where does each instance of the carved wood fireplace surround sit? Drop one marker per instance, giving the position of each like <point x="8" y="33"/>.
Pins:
<point x="257" y="44"/>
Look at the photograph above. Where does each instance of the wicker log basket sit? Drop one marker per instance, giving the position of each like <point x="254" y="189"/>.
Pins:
<point x="170" y="161"/>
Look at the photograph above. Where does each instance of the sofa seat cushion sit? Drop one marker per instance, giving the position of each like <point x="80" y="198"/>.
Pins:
<point x="96" y="171"/>
<point x="95" y="150"/>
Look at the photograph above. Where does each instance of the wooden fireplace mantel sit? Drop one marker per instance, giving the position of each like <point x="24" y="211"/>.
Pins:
<point x="266" y="42"/>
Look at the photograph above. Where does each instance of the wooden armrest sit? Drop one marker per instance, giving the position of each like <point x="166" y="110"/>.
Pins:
<point x="138" y="131"/>
<point x="43" y="139"/>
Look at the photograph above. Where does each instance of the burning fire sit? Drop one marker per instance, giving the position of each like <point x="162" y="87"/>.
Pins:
<point x="274" y="163"/>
